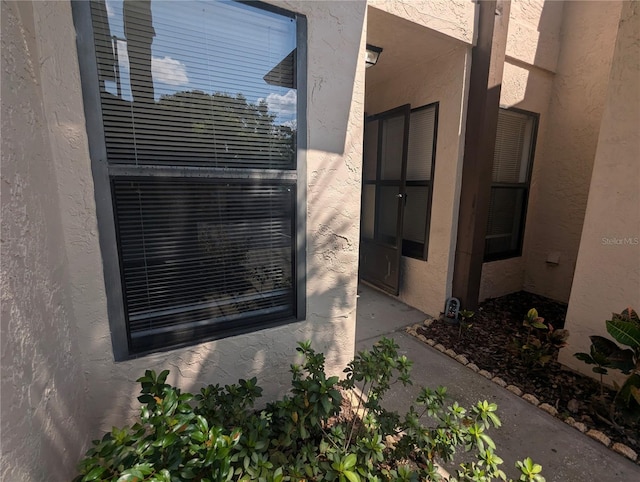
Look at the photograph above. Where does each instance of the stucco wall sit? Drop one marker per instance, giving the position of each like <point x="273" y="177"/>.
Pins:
<point x="335" y="94"/>
<point x="567" y="146"/>
<point x="44" y="406"/>
<point x="426" y="284"/>
<point x="607" y="276"/>
<point x="558" y="60"/>
<point x="454" y="18"/>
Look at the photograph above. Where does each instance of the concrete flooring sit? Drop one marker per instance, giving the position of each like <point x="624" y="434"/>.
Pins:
<point x="564" y="453"/>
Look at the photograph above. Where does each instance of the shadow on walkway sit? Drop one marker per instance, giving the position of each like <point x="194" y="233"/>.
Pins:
<point x="565" y="454"/>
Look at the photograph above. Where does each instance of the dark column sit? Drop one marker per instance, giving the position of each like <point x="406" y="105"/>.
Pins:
<point x="487" y="62"/>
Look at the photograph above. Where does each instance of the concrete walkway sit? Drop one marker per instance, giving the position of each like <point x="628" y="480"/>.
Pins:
<point x="564" y="453"/>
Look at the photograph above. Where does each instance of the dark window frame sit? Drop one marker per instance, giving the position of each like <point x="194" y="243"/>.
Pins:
<point x="103" y="174"/>
<point x="524" y="187"/>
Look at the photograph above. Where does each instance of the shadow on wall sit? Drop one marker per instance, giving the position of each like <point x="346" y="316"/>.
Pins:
<point x="567" y="86"/>
<point x="334" y="138"/>
<point x="49" y="400"/>
<point x="44" y="410"/>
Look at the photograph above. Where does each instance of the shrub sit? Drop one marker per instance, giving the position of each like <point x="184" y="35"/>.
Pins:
<point x="542" y="340"/>
<point x="624" y="327"/>
<point x="217" y="436"/>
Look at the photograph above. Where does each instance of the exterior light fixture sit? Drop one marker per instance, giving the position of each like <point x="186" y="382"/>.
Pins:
<point x="373" y="54"/>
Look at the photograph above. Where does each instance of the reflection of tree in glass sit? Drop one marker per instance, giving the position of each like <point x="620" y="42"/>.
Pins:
<point x="228" y="129"/>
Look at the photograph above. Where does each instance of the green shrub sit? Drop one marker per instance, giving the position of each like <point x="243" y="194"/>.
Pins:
<point x="217" y="436"/>
<point x="604" y="354"/>
<point x="542" y="340"/>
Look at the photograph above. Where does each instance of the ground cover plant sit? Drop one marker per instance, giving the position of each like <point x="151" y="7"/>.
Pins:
<point x="496" y="343"/>
<point x="311" y="434"/>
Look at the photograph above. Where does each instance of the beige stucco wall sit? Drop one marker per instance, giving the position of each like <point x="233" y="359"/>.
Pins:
<point x="558" y="59"/>
<point x="426" y="284"/>
<point x="453" y="18"/>
<point x="43" y="387"/>
<point x="566" y="146"/>
<point x="60" y="359"/>
<point x="607" y="276"/>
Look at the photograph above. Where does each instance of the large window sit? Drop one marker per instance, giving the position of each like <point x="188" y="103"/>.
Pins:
<point x="192" y="114"/>
<point x="515" y="142"/>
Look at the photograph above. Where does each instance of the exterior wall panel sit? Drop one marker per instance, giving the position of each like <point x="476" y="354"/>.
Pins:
<point x="607" y="277"/>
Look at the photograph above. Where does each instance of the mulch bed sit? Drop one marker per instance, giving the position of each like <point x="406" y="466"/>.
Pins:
<point x="489" y="343"/>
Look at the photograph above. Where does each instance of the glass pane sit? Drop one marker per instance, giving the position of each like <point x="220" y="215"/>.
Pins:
<point x="196" y="83"/>
<point x="513" y="145"/>
<point x="415" y="213"/>
<point x="371" y="150"/>
<point x="198" y="253"/>
<point x="368" y="210"/>
<point x="387" y="214"/>
<point x="505" y="218"/>
<point x="421" y="138"/>
<point x="392" y="140"/>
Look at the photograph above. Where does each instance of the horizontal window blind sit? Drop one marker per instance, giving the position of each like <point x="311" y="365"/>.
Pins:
<point x="421" y="143"/>
<point x="200" y="253"/>
<point x="197" y="83"/>
<point x="513" y="144"/>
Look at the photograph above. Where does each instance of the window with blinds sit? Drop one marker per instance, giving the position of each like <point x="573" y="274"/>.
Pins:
<point x="195" y="166"/>
<point x="515" y="141"/>
<point x="420" y="163"/>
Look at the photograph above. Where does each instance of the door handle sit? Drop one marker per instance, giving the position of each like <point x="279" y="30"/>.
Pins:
<point x="399" y="195"/>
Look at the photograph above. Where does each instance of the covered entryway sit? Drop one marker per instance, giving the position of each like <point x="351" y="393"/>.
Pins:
<point x="414" y="107"/>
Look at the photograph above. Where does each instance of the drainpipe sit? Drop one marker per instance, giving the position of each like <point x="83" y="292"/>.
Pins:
<point x="487" y="63"/>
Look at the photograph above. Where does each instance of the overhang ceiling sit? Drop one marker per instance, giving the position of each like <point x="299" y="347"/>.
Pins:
<point x="404" y="44"/>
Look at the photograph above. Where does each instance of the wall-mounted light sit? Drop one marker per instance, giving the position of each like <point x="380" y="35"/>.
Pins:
<point x="373" y="54"/>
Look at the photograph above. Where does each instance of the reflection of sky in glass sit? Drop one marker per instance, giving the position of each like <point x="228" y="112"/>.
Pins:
<point x="216" y="46"/>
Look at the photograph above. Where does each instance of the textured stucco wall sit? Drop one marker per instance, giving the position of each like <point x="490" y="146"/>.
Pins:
<point x="454" y="18"/>
<point x="534" y="32"/>
<point x="44" y="409"/>
<point x="533" y="44"/>
<point x="335" y="95"/>
<point x="567" y="145"/>
<point x="426" y="285"/>
<point x="607" y="277"/>
<point x="558" y="60"/>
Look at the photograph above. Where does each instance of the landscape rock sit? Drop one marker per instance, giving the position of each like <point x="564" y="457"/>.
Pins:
<point x="439" y="347"/>
<point x="531" y="399"/>
<point x="626" y="451"/>
<point x="451" y="353"/>
<point x="514" y="389"/>
<point x="550" y="409"/>
<point x="422" y="338"/>
<point x="474" y="367"/>
<point x="580" y="426"/>
<point x="499" y="381"/>
<point x="486" y="374"/>
<point x="599" y="436"/>
<point x="462" y="359"/>
<point x="430" y="342"/>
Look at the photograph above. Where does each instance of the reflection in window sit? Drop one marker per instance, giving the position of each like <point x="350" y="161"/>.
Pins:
<point x="195" y="83"/>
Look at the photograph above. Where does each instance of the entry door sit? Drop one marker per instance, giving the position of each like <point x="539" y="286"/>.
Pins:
<point x="386" y="138"/>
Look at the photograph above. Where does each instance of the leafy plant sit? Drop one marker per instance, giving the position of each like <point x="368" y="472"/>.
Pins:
<point x="624" y="327"/>
<point x="217" y="436"/>
<point x="465" y="316"/>
<point x="542" y="340"/>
